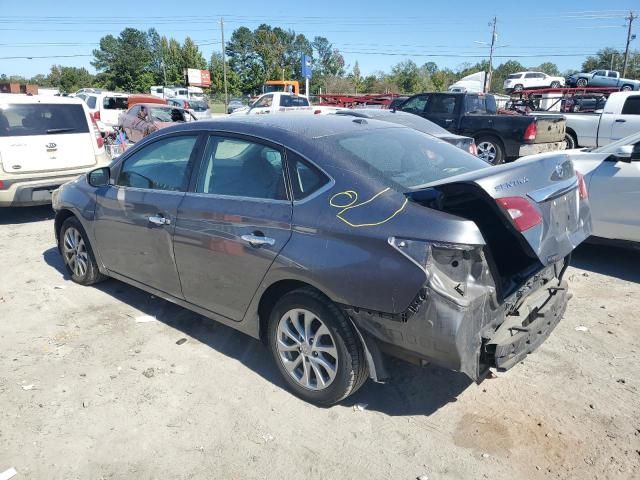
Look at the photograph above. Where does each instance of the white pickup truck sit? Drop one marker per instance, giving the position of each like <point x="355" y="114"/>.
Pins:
<point x="283" y="102"/>
<point x="620" y="118"/>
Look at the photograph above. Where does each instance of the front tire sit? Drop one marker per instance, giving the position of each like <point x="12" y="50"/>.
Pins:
<point x="582" y="82"/>
<point x="77" y="253"/>
<point x="555" y="84"/>
<point x="315" y="347"/>
<point x="490" y="149"/>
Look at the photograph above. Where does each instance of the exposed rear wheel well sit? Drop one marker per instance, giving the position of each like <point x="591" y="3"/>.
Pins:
<point x="271" y="296"/>
<point x="573" y="135"/>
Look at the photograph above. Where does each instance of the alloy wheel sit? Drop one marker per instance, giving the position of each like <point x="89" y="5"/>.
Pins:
<point x="487" y="151"/>
<point x="307" y="349"/>
<point x="75" y="252"/>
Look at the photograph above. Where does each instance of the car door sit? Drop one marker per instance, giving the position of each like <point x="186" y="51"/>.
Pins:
<point x="530" y="80"/>
<point x="135" y="217"/>
<point x="441" y="110"/>
<point x="233" y="224"/>
<point x="614" y="195"/>
<point x="628" y="121"/>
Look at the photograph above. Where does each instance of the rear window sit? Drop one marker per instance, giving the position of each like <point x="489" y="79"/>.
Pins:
<point x="631" y="106"/>
<point x="290" y="101"/>
<point x="404" y="156"/>
<point x="23" y="120"/>
<point x="115" y="103"/>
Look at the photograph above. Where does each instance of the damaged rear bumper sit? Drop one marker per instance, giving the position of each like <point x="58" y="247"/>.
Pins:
<point x="468" y="337"/>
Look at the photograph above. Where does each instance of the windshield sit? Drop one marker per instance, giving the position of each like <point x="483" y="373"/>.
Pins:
<point x="41" y="119"/>
<point x="404" y="156"/>
<point x="612" y="147"/>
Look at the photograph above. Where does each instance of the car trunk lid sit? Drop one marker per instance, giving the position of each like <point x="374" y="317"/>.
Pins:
<point x="532" y="213"/>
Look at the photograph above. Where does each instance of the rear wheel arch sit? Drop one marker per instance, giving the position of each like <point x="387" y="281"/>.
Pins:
<point x="627" y="87"/>
<point x="571" y="133"/>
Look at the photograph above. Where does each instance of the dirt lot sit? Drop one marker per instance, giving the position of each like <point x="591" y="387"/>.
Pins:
<point x="86" y="391"/>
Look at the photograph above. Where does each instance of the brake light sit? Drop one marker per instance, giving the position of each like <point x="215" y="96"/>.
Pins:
<point x="531" y="131"/>
<point x="1" y="185"/>
<point x="522" y="212"/>
<point x="96" y="115"/>
<point x="317" y="112"/>
<point x="582" y="187"/>
<point x="96" y="131"/>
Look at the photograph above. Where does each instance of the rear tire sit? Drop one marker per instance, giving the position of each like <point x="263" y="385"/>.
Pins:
<point x="555" y="84"/>
<point x="571" y="141"/>
<point x="627" y="88"/>
<point x="518" y="88"/>
<point x="77" y="253"/>
<point x="316" y="348"/>
<point x="490" y="149"/>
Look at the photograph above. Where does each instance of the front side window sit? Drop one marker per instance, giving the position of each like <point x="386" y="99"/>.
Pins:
<point x="415" y="104"/>
<point x="264" y="101"/>
<point x="612" y="75"/>
<point x="163" y="165"/>
<point x="241" y="168"/>
<point x="632" y="106"/>
<point x="601" y="73"/>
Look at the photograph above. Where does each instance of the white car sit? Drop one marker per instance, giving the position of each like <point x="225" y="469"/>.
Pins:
<point x="105" y="107"/>
<point x="276" y="102"/>
<point x="44" y="142"/>
<point x="517" y="82"/>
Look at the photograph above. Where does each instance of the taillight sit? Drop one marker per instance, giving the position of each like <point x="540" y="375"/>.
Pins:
<point x="96" y="131"/>
<point x="96" y="115"/>
<point x="531" y="131"/>
<point x="582" y="187"/>
<point x="317" y="112"/>
<point x="523" y="213"/>
<point x="1" y="185"/>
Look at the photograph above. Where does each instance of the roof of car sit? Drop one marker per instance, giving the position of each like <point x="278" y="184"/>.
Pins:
<point x="23" y="98"/>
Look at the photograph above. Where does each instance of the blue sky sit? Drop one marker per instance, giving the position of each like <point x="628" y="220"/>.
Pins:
<point x="378" y="34"/>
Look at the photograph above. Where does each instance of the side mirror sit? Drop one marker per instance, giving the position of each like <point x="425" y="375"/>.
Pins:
<point x="99" y="177"/>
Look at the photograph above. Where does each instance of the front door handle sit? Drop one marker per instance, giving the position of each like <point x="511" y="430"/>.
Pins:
<point x="159" y="220"/>
<point x="620" y="120"/>
<point x="258" y="240"/>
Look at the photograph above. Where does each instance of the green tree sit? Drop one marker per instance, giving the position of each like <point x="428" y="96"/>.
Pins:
<point x="191" y="55"/>
<point x="124" y="62"/>
<point x="356" y="78"/>
<point x="549" y="68"/>
<point x="217" y="77"/>
<point x="244" y="60"/>
<point x="407" y="76"/>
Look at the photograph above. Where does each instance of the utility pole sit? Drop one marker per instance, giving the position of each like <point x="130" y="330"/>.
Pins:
<point x="224" y="67"/>
<point x="630" y="37"/>
<point x="487" y="80"/>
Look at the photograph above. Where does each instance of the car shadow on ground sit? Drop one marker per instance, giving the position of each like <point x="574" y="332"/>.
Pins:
<point x="412" y="391"/>
<point x="608" y="260"/>
<point x="19" y="215"/>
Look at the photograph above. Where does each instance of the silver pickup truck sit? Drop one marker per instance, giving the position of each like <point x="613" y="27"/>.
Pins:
<point x="603" y="78"/>
<point x="619" y="118"/>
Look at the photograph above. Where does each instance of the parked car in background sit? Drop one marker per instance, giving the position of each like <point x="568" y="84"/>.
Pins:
<point x="276" y="102"/>
<point x="517" y="82"/>
<point x="603" y="78"/>
<point x="612" y="177"/>
<point x="334" y="241"/>
<point x="145" y="118"/>
<point x="499" y="137"/>
<point x="44" y="142"/>
<point x="417" y="123"/>
<point x="105" y="108"/>
<point x="234" y="104"/>
<point x="198" y="108"/>
<point x="620" y="117"/>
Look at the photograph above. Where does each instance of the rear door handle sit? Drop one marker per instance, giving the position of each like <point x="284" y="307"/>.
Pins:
<point x="258" y="240"/>
<point x="159" y="220"/>
<point x="620" y="120"/>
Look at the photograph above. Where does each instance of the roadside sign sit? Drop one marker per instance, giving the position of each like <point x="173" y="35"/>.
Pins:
<point x="306" y="66"/>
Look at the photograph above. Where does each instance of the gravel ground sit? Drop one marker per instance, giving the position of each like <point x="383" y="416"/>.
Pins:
<point x="87" y="391"/>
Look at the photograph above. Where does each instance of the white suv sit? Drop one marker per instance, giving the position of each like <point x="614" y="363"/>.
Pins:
<point x="44" y="142"/>
<point x="516" y="82"/>
<point x="105" y="107"/>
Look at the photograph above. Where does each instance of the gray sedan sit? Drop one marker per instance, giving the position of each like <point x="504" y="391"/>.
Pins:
<point x="335" y="241"/>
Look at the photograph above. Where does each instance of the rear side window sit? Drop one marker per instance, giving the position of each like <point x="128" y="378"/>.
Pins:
<point x="159" y="166"/>
<point x="91" y="101"/>
<point x="115" y="103"/>
<point x="514" y="76"/>
<point x="241" y="168"/>
<point x="290" y="101"/>
<point x="632" y="106"/>
<point x="612" y="75"/>
<point x="442" y="104"/>
<point x="305" y="178"/>
<point x="23" y="120"/>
